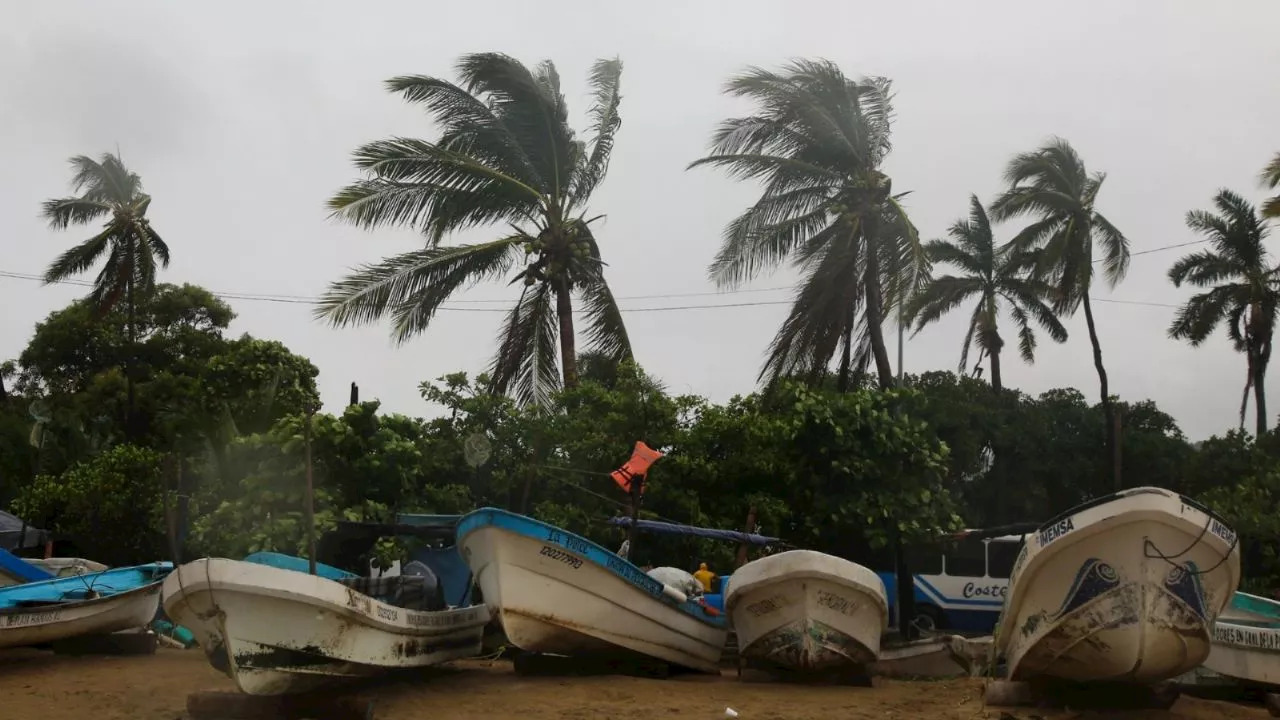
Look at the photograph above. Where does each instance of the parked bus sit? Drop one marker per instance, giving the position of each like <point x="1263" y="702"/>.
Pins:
<point x="960" y="585"/>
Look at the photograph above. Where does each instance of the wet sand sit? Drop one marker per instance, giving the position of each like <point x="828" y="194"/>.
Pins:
<point x="43" y="686"/>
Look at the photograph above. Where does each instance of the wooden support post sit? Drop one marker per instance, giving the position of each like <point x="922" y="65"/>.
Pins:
<point x="741" y="559"/>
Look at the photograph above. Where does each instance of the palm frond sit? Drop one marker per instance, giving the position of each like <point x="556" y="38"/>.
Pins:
<point x="525" y="365"/>
<point x="420" y="184"/>
<point x="1115" y="249"/>
<point x="469" y="126"/>
<point x="81" y="257"/>
<point x="939" y="297"/>
<point x="1196" y="319"/>
<point x="65" y="212"/>
<point x="825" y="310"/>
<point x="530" y="107"/>
<point x="411" y="287"/>
<point x="606" y="331"/>
<point x="605" y="81"/>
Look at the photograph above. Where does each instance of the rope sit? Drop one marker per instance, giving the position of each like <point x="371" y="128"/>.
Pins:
<point x="1148" y="546"/>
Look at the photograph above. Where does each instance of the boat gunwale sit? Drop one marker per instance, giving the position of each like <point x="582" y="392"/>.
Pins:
<point x="482" y="518"/>
<point x="70" y="604"/>
<point x="203" y="583"/>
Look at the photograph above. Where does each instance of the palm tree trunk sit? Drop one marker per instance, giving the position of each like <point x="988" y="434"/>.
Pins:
<point x="131" y="430"/>
<point x="1260" y="386"/>
<point x="875" y="318"/>
<point x="846" y="358"/>
<point x="1108" y="411"/>
<point x="568" y="348"/>
<point x="996" y="384"/>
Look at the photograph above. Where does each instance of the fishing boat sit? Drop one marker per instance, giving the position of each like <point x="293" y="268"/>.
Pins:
<point x="557" y="593"/>
<point x="809" y="611"/>
<point x="50" y="610"/>
<point x="1246" y="641"/>
<point x="277" y="631"/>
<point x="1124" y="588"/>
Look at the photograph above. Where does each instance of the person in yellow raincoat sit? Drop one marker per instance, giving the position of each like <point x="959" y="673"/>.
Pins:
<point x="705" y="577"/>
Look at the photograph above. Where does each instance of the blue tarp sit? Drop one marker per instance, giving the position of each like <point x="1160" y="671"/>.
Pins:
<point x="450" y="569"/>
<point x="674" y="529"/>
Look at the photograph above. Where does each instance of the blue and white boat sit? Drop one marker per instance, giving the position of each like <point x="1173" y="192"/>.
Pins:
<point x="53" y="609"/>
<point x="1246" y="641"/>
<point x="1124" y="588"/>
<point x="557" y="593"/>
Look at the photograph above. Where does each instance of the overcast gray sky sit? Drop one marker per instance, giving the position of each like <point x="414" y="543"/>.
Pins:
<point x="241" y="118"/>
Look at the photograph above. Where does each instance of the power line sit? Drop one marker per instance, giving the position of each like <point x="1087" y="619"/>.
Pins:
<point x="452" y="305"/>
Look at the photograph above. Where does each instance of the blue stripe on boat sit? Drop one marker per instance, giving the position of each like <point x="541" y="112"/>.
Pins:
<point x="21" y="570"/>
<point x="78" y="587"/>
<point x="582" y="547"/>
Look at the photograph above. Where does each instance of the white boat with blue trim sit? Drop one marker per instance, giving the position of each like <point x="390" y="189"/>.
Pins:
<point x="277" y="631"/>
<point x="53" y="609"/>
<point x="808" y="611"/>
<point x="1124" y="588"/>
<point x="560" y="594"/>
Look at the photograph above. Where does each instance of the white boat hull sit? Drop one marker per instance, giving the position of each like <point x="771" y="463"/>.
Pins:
<point x="550" y="599"/>
<point x="1246" y="652"/>
<point x="1124" y="590"/>
<point x="804" y="610"/>
<point x="101" y="616"/>
<point x="278" y="632"/>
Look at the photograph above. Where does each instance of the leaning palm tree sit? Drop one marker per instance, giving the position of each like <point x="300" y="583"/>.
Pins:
<point x="996" y="276"/>
<point x="505" y="155"/>
<point x="131" y="247"/>
<point x="1053" y="186"/>
<point x="817" y="141"/>
<point x="1271" y="181"/>
<point x="1244" y="290"/>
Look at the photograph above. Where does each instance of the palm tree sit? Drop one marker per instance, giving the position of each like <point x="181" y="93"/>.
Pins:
<point x="107" y="189"/>
<point x="1271" y="180"/>
<point x="1244" y="290"/>
<point x="1053" y="186"/>
<point x="993" y="275"/>
<point x="506" y="154"/>
<point x="817" y="141"/>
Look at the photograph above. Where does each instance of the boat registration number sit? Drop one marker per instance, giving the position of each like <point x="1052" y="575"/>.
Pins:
<point x="562" y="556"/>
<point x="39" y="618"/>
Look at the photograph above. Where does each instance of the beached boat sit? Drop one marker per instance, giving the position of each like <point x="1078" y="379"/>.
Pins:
<point x="805" y="610"/>
<point x="46" y="611"/>
<point x="277" y="631"/>
<point x="1246" y="641"/>
<point x="557" y="593"/>
<point x="1124" y="588"/>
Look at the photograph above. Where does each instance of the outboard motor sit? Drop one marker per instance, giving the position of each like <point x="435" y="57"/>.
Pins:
<point x="420" y="589"/>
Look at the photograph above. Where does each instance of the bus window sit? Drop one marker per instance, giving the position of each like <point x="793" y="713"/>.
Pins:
<point x="924" y="560"/>
<point x="966" y="558"/>
<point x="1001" y="555"/>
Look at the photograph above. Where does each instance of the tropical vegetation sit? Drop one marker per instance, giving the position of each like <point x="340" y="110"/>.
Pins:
<point x="506" y="155"/>
<point x="996" y="276"/>
<point x="134" y="425"/>
<point x="817" y="143"/>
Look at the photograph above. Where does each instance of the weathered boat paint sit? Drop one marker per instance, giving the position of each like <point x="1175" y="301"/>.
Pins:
<point x="805" y="610"/>
<point x="276" y="631"/>
<point x="1125" y="588"/>
<point x="555" y="592"/>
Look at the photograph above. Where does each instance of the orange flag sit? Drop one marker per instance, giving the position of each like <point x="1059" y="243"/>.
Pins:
<point x="638" y="466"/>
